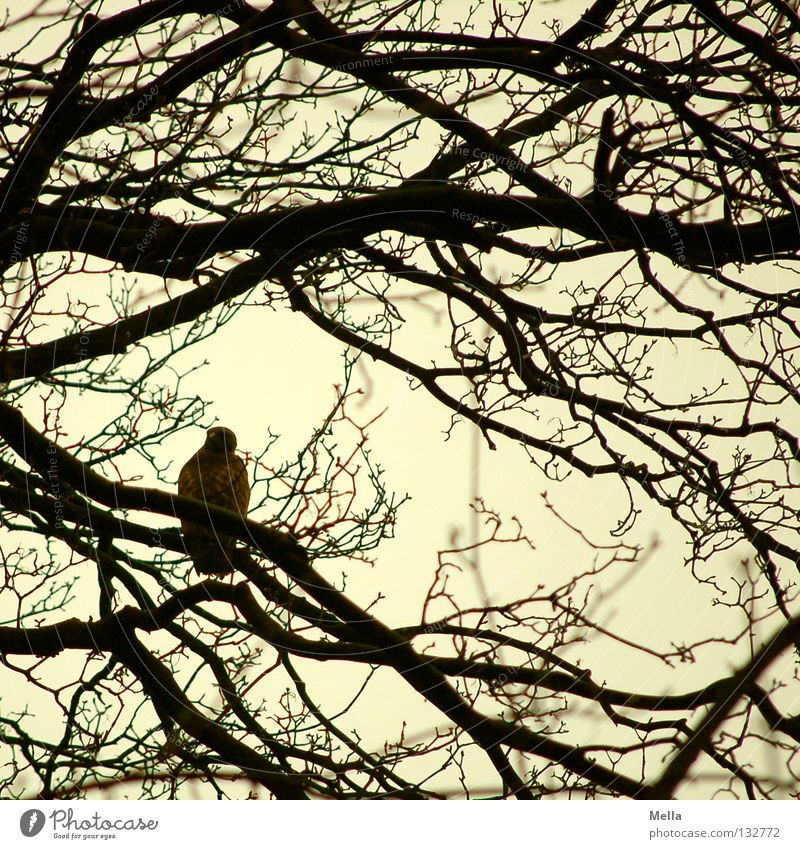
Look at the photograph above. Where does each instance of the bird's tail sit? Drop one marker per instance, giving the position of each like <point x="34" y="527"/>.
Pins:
<point x="211" y="556"/>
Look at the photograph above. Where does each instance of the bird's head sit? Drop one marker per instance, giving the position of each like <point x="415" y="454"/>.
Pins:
<point x="220" y="440"/>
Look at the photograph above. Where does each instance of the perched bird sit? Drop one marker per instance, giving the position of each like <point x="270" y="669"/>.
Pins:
<point x="217" y="476"/>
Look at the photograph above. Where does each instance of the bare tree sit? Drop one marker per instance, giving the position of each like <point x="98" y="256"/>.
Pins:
<point x="603" y="221"/>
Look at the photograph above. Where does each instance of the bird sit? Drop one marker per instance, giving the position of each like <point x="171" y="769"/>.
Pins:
<point x="216" y="476"/>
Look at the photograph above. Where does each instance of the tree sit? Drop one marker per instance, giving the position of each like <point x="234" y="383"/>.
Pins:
<point x="598" y="214"/>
